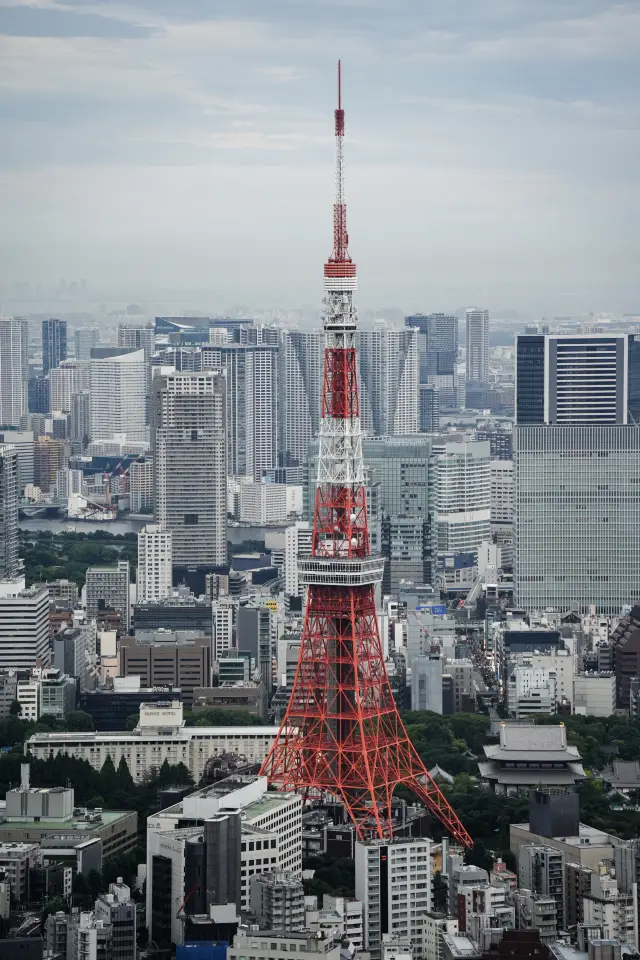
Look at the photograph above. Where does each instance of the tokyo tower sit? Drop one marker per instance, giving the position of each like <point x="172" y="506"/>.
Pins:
<point x="342" y="737"/>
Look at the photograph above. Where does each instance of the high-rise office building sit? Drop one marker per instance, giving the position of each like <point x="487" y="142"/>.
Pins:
<point x="477" y="344"/>
<point x="50" y="462"/>
<point x="438" y="352"/>
<point x="463" y="495"/>
<point x="14" y="370"/>
<point x="388" y="373"/>
<point x="577" y="513"/>
<point x="428" y="408"/>
<point x="108" y="589"/>
<point x="24" y="627"/>
<point x="577" y="379"/>
<point x="252" y="395"/>
<point x="80" y="424"/>
<point x="190" y="465"/>
<point x="300" y="379"/>
<point x="39" y="395"/>
<point x="118" y="396"/>
<point x="69" y="377"/>
<point x="84" y="342"/>
<point x="154" y="579"/>
<point x="9" y="496"/>
<point x="54" y="343"/>
<point x="23" y="442"/>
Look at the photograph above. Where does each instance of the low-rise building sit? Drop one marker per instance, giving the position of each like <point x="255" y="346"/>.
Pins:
<point x="160" y="735"/>
<point x="277" y="901"/>
<point x="35" y="814"/>
<point x="434" y="927"/>
<point x="594" y="694"/>
<point x="272" y="944"/>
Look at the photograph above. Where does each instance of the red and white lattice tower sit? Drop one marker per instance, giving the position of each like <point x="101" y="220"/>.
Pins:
<point x="342" y="737"/>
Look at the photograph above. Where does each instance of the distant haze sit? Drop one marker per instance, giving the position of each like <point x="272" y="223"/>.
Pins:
<point x="493" y="148"/>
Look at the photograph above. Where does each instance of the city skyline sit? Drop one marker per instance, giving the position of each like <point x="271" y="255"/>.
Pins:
<point x="491" y="151"/>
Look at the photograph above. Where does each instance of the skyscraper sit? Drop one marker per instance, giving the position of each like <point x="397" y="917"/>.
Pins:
<point x="118" y="396"/>
<point x="54" y="343"/>
<point x="438" y="351"/>
<point x="24" y="627"/>
<point x="477" y="345"/>
<point x="84" y="341"/>
<point x="300" y="380"/>
<point x="14" y="370"/>
<point x="190" y="465"/>
<point x="69" y="377"/>
<point x="108" y="589"/>
<point x="137" y="337"/>
<point x="9" y="495"/>
<point x="577" y="378"/>
<point x="388" y="381"/>
<point x="252" y="392"/>
<point x="577" y="515"/>
<point x="463" y="495"/>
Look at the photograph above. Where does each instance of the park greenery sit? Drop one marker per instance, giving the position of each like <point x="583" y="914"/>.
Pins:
<point x="67" y="555"/>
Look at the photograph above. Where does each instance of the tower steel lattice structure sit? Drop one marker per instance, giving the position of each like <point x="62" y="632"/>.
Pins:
<point x="342" y="737"/>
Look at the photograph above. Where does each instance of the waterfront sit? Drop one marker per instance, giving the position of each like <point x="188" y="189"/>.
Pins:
<point x="235" y="535"/>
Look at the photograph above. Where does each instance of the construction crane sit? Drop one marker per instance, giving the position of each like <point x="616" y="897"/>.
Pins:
<point x="180" y="913"/>
<point x="123" y="471"/>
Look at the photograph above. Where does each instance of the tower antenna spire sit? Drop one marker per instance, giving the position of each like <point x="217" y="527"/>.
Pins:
<point x="342" y="736"/>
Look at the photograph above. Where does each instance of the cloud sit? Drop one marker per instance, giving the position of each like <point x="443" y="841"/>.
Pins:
<point x="474" y="131"/>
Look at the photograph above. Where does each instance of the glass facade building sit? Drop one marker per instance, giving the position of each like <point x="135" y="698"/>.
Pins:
<point x="577" y="502"/>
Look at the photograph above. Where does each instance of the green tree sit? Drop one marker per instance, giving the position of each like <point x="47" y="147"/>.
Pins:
<point x="15" y="709"/>
<point x="125" y="780"/>
<point x="80" y="721"/>
<point x="108" y="778"/>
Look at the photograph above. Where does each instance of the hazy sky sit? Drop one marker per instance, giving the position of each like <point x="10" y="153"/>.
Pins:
<point x="493" y="148"/>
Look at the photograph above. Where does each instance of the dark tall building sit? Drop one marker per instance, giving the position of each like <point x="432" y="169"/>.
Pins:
<point x="576" y="379"/>
<point x="254" y="636"/>
<point x="428" y="408"/>
<point x="54" y="343"/>
<point x="222" y="837"/>
<point x="437" y="343"/>
<point x="438" y="354"/>
<point x="39" y="395"/>
<point x="625" y="641"/>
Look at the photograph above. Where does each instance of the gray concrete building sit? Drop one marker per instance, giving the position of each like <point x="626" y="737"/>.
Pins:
<point x="107" y="588"/>
<point x="190" y="464"/>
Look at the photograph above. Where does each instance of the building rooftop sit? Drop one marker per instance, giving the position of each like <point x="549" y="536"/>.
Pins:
<point x="107" y="818"/>
<point x="623" y="775"/>
<point x="588" y="836"/>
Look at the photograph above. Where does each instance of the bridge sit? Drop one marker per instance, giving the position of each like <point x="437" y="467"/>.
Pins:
<point x="43" y="509"/>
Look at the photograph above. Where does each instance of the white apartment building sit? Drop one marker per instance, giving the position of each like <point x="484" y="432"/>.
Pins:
<point x="160" y="735"/>
<point x="393" y="880"/>
<point x="560" y="665"/>
<point x="298" y="542"/>
<point x="594" y="694"/>
<point x="463" y="495"/>
<point x="155" y="557"/>
<point x="71" y="376"/>
<point x="24" y="626"/>
<point x="28" y="696"/>
<point x="477" y="347"/>
<point x="434" y="927"/>
<point x="614" y="912"/>
<point x="388" y="368"/>
<point x="531" y="690"/>
<point x="224" y="615"/>
<point x="14" y="370"/>
<point x="300" y="377"/>
<point x="263" y="504"/>
<point x="502" y="492"/>
<point x="141" y="486"/>
<point x="118" y="397"/>
<point x="338" y="917"/>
